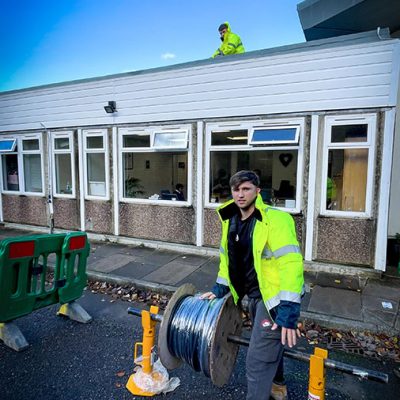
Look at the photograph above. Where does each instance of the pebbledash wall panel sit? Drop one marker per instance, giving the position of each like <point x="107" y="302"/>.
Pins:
<point x="170" y="224"/>
<point x="25" y="210"/>
<point x="339" y="73"/>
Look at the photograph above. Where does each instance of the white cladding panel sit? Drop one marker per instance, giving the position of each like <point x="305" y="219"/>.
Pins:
<point x="349" y="76"/>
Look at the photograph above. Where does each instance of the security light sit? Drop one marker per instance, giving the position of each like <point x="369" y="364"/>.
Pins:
<point x="111" y="107"/>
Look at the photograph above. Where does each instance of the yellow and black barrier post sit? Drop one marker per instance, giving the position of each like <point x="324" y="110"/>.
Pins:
<point x="316" y="383"/>
<point x="146" y="358"/>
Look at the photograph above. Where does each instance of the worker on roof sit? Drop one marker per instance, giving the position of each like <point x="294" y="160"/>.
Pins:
<point x="231" y="43"/>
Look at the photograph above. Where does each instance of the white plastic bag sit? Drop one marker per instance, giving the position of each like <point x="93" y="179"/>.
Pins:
<point x="157" y="381"/>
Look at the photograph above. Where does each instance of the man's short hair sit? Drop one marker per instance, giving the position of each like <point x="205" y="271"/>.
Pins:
<point x="244" y="176"/>
<point x="222" y="27"/>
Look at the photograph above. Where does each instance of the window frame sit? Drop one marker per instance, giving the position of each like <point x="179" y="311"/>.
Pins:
<point x="70" y="136"/>
<point x="87" y="133"/>
<point x="19" y="139"/>
<point x="340" y="120"/>
<point x="250" y="126"/>
<point x="152" y="130"/>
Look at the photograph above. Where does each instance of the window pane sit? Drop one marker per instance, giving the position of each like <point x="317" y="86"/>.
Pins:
<point x="274" y="135"/>
<point x="94" y="142"/>
<point x="347" y="180"/>
<point x="137" y="140"/>
<point x="63" y="174"/>
<point x="349" y="133"/>
<point x="277" y="171"/>
<point x="10" y="172"/>
<point x="229" y="138"/>
<point x="154" y="175"/>
<point x="176" y="139"/>
<point x="31" y="144"/>
<point x="96" y="174"/>
<point x="32" y="173"/>
<point x="61" y="143"/>
<point x="7" y="145"/>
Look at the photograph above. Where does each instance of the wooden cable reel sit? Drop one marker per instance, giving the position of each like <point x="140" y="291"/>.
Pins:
<point x="222" y="353"/>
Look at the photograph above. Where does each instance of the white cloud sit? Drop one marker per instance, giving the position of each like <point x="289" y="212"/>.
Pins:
<point x="168" y="56"/>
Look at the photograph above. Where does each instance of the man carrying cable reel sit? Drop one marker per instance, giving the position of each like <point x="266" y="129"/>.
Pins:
<point x="260" y="257"/>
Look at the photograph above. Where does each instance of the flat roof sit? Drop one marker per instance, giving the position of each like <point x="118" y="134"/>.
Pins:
<point x="363" y="37"/>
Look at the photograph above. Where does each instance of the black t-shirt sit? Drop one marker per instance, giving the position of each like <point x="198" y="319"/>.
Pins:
<point x="241" y="263"/>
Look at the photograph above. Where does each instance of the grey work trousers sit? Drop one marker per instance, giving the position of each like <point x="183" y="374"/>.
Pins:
<point x="264" y="354"/>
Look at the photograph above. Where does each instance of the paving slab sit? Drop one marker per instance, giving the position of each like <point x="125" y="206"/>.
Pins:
<point x="104" y="250"/>
<point x="139" y="251"/>
<point x="379" y="318"/>
<point x="111" y="263"/>
<point x="380" y="304"/>
<point x="339" y="302"/>
<point x="135" y="270"/>
<point x="192" y="259"/>
<point x="397" y="323"/>
<point x="204" y="277"/>
<point x="389" y="290"/>
<point x="171" y="273"/>
<point x="337" y="281"/>
<point x="159" y="257"/>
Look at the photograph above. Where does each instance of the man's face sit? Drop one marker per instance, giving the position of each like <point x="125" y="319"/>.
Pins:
<point x="245" y="194"/>
<point x="222" y="33"/>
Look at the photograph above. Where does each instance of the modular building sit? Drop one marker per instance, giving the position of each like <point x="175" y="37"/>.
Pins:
<point x="315" y="120"/>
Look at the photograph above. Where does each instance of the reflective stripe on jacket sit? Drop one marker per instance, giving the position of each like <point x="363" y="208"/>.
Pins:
<point x="232" y="44"/>
<point x="277" y="257"/>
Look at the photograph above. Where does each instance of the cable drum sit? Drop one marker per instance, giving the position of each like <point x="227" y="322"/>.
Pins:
<point x="190" y="331"/>
<point x="195" y="331"/>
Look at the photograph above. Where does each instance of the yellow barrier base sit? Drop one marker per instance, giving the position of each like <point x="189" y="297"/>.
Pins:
<point x="136" y="390"/>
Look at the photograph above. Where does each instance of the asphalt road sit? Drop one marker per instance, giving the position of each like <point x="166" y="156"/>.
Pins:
<point x="68" y="360"/>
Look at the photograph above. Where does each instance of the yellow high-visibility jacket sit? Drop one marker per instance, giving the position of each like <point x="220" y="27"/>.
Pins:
<point x="232" y="44"/>
<point x="277" y="257"/>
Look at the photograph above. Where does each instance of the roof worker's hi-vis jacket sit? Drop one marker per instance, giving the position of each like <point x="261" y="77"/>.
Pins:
<point x="277" y="260"/>
<point x="232" y="44"/>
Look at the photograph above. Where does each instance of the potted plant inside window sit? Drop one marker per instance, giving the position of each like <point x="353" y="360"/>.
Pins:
<point x="133" y="188"/>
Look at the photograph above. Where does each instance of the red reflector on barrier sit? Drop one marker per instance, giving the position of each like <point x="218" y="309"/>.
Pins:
<point x="77" y="242"/>
<point x="22" y="249"/>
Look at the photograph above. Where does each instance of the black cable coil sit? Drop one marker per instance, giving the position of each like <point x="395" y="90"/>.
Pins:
<point x="191" y="329"/>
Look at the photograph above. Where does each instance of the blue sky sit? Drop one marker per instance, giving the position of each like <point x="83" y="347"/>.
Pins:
<point x="48" y="41"/>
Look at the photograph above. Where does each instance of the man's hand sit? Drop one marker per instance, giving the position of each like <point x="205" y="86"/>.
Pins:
<point x="288" y="336"/>
<point x="208" y="296"/>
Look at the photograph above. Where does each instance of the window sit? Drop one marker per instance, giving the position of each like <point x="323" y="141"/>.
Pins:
<point x="22" y="164"/>
<point x="153" y="162"/>
<point x="96" y="163"/>
<point x="270" y="148"/>
<point x="63" y="165"/>
<point x="32" y="162"/>
<point x="348" y="165"/>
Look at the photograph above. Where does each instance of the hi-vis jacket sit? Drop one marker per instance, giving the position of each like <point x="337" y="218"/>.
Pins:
<point x="277" y="258"/>
<point x="232" y="44"/>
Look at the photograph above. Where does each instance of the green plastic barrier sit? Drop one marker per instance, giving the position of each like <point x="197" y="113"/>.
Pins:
<point x="23" y="267"/>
